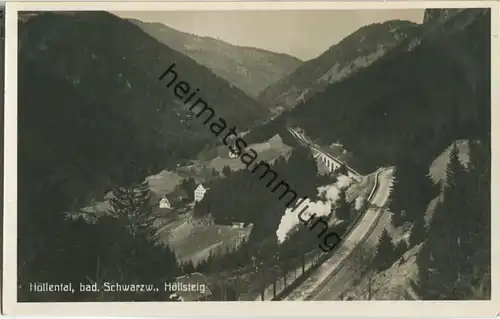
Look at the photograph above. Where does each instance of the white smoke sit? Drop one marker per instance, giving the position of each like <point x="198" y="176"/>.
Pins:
<point x="328" y="193"/>
<point x="359" y="202"/>
<point x="343" y="181"/>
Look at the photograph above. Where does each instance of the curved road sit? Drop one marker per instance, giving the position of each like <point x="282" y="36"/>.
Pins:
<point x="332" y="278"/>
<point x="345" y="274"/>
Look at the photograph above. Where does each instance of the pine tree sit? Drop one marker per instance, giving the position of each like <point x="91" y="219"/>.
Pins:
<point x="215" y="173"/>
<point x="422" y="191"/>
<point x="418" y="231"/>
<point x="385" y="251"/>
<point x="342" y="170"/>
<point x="411" y="191"/>
<point x="480" y="194"/>
<point x="397" y="196"/>
<point x="301" y="172"/>
<point x="188" y="267"/>
<point x="226" y="171"/>
<point x="342" y="207"/>
<point x="443" y="261"/>
<point x="437" y="262"/>
<point x="401" y="248"/>
<point x="189" y="185"/>
<point x="397" y="218"/>
<point x="476" y="224"/>
<point x="132" y="207"/>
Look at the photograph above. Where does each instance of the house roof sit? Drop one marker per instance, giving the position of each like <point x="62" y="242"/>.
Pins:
<point x="195" y="279"/>
<point x="165" y="198"/>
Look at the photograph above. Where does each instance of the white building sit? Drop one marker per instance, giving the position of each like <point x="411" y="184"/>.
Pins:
<point x="164" y="203"/>
<point x="199" y="193"/>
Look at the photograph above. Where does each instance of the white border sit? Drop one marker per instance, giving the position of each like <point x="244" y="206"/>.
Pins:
<point x="251" y="308"/>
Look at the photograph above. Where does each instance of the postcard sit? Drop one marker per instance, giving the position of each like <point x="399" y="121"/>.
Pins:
<point x="259" y="158"/>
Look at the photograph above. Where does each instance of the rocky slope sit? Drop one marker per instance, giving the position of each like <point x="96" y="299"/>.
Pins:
<point x="249" y="69"/>
<point x="355" y="52"/>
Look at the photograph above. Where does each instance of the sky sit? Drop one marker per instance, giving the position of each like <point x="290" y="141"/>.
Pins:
<point x="304" y="34"/>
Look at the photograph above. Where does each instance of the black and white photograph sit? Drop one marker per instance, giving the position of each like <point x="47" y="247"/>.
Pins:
<point x="248" y="153"/>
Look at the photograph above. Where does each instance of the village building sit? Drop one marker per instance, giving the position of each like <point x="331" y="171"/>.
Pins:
<point x="199" y="193"/>
<point x="171" y="200"/>
<point x="164" y="202"/>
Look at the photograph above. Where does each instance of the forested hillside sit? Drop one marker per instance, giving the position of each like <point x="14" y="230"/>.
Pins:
<point x="116" y="62"/>
<point x="409" y="105"/>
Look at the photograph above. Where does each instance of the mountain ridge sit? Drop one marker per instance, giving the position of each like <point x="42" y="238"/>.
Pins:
<point x="413" y="73"/>
<point x="248" y="68"/>
<point x="337" y="62"/>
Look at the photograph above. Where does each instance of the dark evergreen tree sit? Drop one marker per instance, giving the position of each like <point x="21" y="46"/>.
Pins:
<point x="411" y="191"/>
<point x="386" y="255"/>
<point x="342" y="207"/>
<point x="341" y="170"/>
<point x="188" y="267"/>
<point x="189" y="185"/>
<point x="451" y="259"/>
<point x="396" y="198"/>
<point x="226" y="171"/>
<point x="401" y="248"/>
<point x="215" y="173"/>
<point x="418" y="231"/>
<point x="132" y="206"/>
<point x="301" y="172"/>
<point x="480" y="201"/>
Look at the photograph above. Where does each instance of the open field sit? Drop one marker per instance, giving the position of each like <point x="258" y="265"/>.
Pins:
<point x="193" y="239"/>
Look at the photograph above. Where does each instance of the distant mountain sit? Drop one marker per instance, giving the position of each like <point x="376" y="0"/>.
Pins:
<point x="249" y="69"/>
<point x="92" y="112"/>
<point x="355" y="52"/>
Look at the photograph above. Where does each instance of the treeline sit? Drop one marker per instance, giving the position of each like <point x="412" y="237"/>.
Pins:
<point x="455" y="261"/>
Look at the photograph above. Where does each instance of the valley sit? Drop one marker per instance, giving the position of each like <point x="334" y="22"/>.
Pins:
<point x="384" y="136"/>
